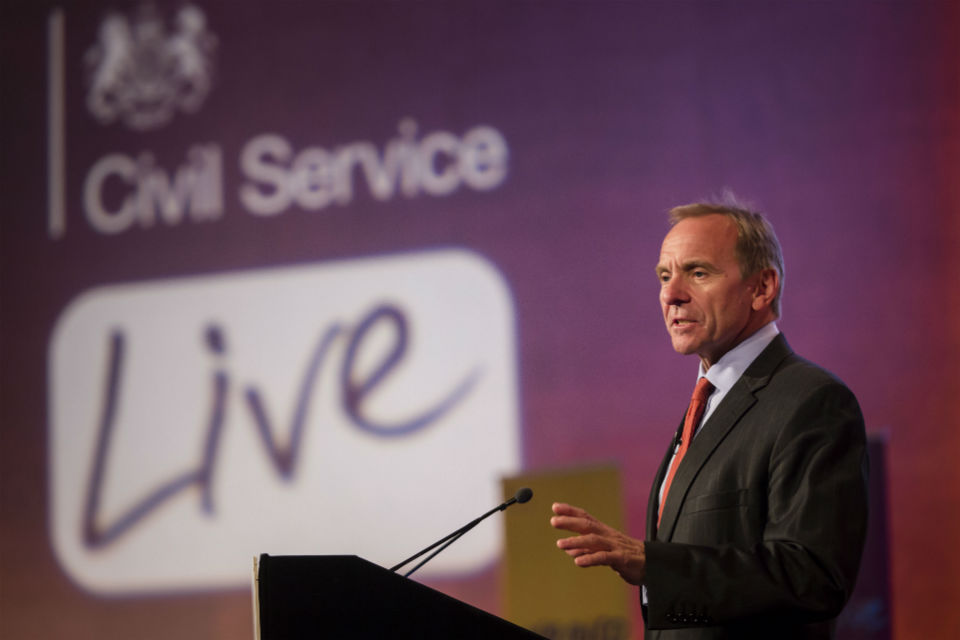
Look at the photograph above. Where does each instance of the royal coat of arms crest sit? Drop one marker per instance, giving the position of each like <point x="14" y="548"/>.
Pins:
<point x="141" y="73"/>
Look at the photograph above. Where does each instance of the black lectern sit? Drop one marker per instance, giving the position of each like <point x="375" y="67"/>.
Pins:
<point x="311" y="597"/>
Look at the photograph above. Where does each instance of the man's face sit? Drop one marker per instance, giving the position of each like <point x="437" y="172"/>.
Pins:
<point x="706" y="303"/>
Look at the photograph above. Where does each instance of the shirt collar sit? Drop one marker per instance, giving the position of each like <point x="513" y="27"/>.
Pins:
<point x="728" y="369"/>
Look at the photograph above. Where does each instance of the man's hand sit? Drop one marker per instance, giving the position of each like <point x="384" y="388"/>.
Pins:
<point x="599" y="544"/>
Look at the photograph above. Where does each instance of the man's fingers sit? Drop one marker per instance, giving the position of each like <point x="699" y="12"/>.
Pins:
<point x="597" y="544"/>
<point x="591" y="542"/>
<point x="564" y="509"/>
<point x="595" y="559"/>
<point x="572" y="523"/>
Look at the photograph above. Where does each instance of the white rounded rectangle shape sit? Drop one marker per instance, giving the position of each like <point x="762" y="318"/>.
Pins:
<point x="364" y="406"/>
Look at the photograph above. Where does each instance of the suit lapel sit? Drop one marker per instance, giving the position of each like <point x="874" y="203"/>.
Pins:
<point x="653" y="502"/>
<point x="724" y="418"/>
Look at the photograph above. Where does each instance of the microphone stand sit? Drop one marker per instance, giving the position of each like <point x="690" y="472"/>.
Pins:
<point x="449" y="539"/>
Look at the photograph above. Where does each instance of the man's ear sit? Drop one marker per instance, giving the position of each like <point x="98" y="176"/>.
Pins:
<point x="768" y="285"/>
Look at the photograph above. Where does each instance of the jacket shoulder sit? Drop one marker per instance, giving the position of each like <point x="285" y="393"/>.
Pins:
<point x="778" y="365"/>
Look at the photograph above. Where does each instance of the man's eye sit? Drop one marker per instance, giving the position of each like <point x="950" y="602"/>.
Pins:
<point x="664" y="277"/>
<point x="699" y="273"/>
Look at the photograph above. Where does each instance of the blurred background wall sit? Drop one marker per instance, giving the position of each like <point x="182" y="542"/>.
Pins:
<point x="312" y="276"/>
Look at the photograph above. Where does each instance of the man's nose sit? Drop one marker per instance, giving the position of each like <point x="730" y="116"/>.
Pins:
<point x="674" y="292"/>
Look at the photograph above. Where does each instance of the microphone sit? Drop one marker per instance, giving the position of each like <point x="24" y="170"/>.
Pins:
<point x="521" y="496"/>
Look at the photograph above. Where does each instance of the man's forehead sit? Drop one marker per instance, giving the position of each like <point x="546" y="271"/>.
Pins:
<point x="711" y="237"/>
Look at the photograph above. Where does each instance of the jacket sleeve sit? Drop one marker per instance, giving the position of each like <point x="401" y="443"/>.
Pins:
<point x="799" y="563"/>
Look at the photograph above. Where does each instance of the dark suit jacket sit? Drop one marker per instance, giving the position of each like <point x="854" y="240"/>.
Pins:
<point x="762" y="533"/>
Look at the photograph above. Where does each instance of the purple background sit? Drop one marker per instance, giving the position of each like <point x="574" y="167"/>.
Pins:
<point x="840" y="120"/>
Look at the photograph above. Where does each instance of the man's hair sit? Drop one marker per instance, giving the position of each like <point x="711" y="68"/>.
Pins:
<point x="757" y="245"/>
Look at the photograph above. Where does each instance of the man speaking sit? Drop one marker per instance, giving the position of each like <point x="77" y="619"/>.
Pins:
<point x="757" y="516"/>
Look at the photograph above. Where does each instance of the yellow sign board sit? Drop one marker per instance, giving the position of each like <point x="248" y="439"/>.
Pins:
<point x="543" y="590"/>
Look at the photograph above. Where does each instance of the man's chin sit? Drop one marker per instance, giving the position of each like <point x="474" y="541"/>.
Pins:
<point x="684" y="347"/>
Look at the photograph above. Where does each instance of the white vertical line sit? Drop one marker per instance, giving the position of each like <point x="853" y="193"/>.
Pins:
<point x="56" y="127"/>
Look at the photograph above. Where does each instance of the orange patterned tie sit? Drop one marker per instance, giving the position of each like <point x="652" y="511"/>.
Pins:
<point x="694" y="412"/>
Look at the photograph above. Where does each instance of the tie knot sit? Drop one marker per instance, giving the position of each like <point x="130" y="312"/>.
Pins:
<point x="702" y="391"/>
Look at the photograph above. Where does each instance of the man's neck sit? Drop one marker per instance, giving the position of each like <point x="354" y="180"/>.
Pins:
<point x="752" y="345"/>
<point x="754" y="324"/>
